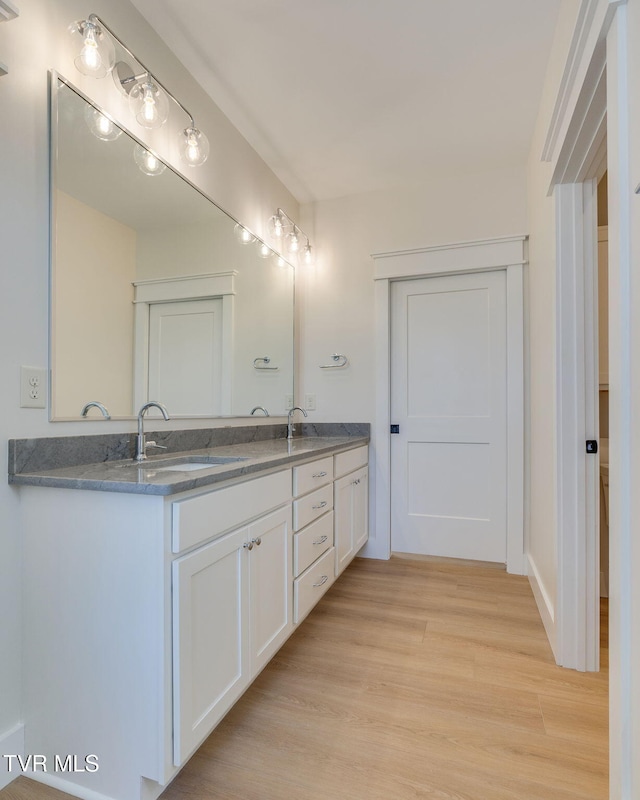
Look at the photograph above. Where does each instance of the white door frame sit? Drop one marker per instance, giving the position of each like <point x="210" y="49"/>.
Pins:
<point x="182" y="288"/>
<point x="603" y="37"/>
<point x="507" y="254"/>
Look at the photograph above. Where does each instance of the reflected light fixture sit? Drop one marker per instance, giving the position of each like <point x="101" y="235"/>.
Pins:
<point x="243" y="235"/>
<point x="148" y="98"/>
<point x="264" y="251"/>
<point x="149" y="163"/>
<point x="282" y="227"/>
<point x="100" y="125"/>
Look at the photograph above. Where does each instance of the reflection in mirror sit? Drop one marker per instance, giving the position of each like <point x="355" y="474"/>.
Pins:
<point x="153" y="297"/>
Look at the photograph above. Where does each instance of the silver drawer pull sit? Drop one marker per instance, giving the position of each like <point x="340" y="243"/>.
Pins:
<point x="321" y="505"/>
<point x="257" y="541"/>
<point x="321" y="540"/>
<point x="320" y="475"/>
<point x="248" y="545"/>
<point x="322" y="581"/>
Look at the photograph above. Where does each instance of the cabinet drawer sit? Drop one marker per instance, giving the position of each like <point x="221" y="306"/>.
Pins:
<point x="310" y="476"/>
<point x="312" y="584"/>
<point x="197" y="519"/>
<point x="312" y="542"/>
<point x="312" y="506"/>
<point x="352" y="459"/>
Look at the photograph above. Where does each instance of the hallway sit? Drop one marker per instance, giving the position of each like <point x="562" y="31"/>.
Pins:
<point x="411" y="679"/>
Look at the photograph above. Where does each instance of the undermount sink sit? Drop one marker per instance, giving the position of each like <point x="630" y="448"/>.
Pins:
<point x="190" y="463"/>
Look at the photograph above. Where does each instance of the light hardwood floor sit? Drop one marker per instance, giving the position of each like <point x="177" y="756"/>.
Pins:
<point x="410" y="680"/>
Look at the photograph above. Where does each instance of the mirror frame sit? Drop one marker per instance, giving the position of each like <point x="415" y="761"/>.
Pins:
<point x="55" y="79"/>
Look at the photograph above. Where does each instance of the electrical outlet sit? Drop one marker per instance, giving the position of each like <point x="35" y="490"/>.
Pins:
<point x="288" y="402"/>
<point x="33" y="387"/>
<point x="310" y="402"/>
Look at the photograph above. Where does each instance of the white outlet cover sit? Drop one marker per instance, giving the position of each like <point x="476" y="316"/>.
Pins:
<point x="33" y="387"/>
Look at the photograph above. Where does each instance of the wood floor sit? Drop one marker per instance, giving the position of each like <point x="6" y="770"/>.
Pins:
<point x="411" y="680"/>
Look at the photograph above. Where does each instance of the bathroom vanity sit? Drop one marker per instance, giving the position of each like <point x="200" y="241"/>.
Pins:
<point x="156" y="596"/>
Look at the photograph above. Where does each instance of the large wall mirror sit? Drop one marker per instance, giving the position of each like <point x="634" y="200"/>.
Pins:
<point x="152" y="295"/>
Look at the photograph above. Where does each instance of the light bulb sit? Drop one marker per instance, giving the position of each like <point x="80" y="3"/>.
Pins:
<point x="97" y="56"/>
<point x="194" y="147"/>
<point x="264" y="251"/>
<point x="149" y="104"/>
<point x="149" y="163"/>
<point x="306" y="256"/>
<point x="280" y="262"/>
<point x="89" y="55"/>
<point x="293" y="240"/>
<point x="243" y="235"/>
<point x="276" y="225"/>
<point x="100" y="125"/>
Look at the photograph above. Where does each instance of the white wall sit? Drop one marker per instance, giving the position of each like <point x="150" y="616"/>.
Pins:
<point x="542" y="536"/>
<point x="337" y="294"/>
<point x="92" y="309"/>
<point x="234" y="176"/>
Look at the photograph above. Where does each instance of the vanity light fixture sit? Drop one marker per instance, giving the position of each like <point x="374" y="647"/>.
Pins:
<point x="243" y="235"/>
<point x="264" y="251"/>
<point x="100" y="125"/>
<point x="148" y="98"/>
<point x="282" y="227"/>
<point x="149" y="163"/>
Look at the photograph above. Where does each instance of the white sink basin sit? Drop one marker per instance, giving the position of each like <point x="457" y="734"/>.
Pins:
<point x="191" y="464"/>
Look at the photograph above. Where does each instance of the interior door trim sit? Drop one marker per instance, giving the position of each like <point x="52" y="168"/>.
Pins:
<point x="509" y="254"/>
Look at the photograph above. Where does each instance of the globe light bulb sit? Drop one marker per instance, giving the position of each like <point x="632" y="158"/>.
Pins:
<point x="293" y="240"/>
<point x="194" y="147"/>
<point x="100" y="125"/>
<point x="276" y="225"/>
<point x="149" y="104"/>
<point x="306" y="256"/>
<point x="97" y="56"/>
<point x="147" y="161"/>
<point x="243" y="235"/>
<point x="264" y="251"/>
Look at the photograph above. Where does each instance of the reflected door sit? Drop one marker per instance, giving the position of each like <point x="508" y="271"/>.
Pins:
<point x="449" y="373"/>
<point x="185" y="356"/>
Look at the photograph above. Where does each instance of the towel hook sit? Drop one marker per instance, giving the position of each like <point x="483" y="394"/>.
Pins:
<point x="264" y="360"/>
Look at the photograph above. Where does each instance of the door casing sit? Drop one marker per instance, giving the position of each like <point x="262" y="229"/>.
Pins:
<point x="509" y="254"/>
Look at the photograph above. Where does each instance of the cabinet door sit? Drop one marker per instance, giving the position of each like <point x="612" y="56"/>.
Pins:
<point x="270" y="584"/>
<point x="343" y="514"/>
<point x="351" y="516"/>
<point x="360" y="509"/>
<point x="210" y="637"/>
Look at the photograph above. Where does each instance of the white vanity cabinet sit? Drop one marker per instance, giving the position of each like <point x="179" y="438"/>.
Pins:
<point x="231" y="612"/>
<point x="351" y="499"/>
<point x="147" y="616"/>
<point x="313" y="550"/>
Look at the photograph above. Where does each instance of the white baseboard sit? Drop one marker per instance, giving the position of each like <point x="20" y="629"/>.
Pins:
<point x="543" y="601"/>
<point x="11" y="743"/>
<point x="74" y="789"/>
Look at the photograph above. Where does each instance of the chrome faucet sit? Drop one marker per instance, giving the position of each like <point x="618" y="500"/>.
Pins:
<point x="95" y="404"/>
<point x="259" y="408"/>
<point x="141" y="443"/>
<point x="290" y="420"/>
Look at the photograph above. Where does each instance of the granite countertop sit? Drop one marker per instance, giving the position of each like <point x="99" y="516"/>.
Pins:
<point x="146" y="478"/>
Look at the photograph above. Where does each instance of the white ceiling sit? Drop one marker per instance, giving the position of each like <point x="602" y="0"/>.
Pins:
<point x="345" y="96"/>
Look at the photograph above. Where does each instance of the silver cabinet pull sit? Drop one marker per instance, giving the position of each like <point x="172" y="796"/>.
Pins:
<point x="248" y="545"/>
<point x="321" y="505"/>
<point x="321" y="540"/>
<point x="319" y="475"/>
<point x="257" y="541"/>
<point x="322" y="580"/>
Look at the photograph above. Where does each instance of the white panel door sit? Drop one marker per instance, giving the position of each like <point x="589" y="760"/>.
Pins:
<point x="185" y="356"/>
<point x="448" y="395"/>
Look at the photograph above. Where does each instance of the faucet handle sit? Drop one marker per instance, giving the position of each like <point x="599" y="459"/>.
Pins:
<point x="153" y="444"/>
